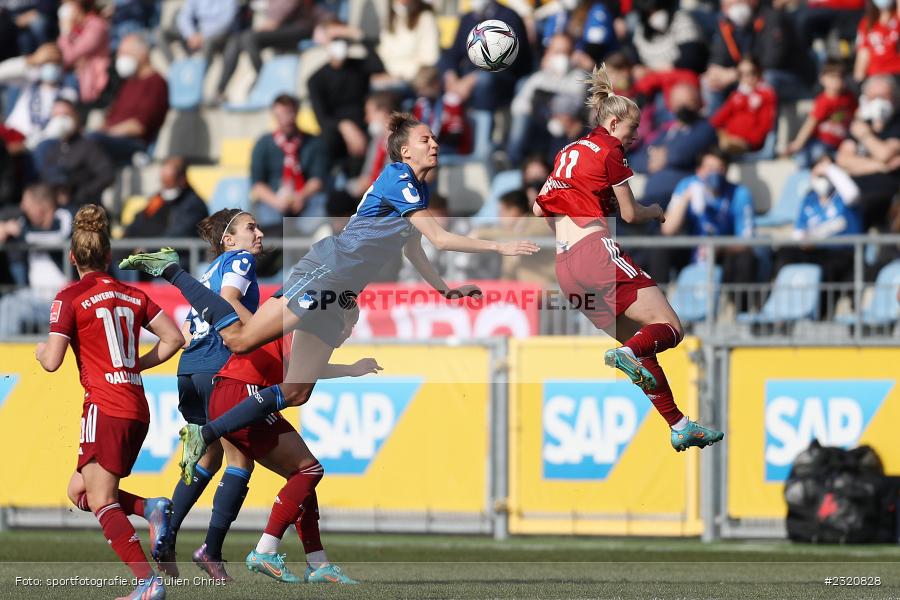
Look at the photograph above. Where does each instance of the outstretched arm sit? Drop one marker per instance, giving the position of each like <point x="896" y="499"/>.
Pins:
<point x="416" y="255"/>
<point x="444" y="240"/>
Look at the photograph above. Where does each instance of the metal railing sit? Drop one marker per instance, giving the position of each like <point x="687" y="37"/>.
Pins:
<point x="840" y="309"/>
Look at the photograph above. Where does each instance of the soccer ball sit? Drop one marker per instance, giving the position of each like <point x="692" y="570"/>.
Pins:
<point x="492" y="45"/>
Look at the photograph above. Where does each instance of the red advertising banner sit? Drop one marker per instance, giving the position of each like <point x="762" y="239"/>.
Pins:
<point x="416" y="311"/>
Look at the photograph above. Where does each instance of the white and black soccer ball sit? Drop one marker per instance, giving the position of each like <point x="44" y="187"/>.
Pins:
<point x="492" y="45"/>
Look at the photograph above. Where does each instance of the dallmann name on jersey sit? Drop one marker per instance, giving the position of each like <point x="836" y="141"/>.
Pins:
<point x="594" y="147"/>
<point x="553" y="184"/>
<point x="123" y="377"/>
<point x="109" y="296"/>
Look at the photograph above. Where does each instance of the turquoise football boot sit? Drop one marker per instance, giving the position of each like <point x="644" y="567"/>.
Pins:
<point x="271" y="565"/>
<point x="329" y="573"/>
<point x="695" y="434"/>
<point x="623" y="360"/>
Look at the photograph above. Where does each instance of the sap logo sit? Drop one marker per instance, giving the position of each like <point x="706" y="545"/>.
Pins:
<point x="587" y="425"/>
<point x="165" y="421"/>
<point x="346" y="421"/>
<point x="834" y="412"/>
<point x="7" y="382"/>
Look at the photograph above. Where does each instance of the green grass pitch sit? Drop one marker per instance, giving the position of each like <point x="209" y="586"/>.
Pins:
<point x="462" y="567"/>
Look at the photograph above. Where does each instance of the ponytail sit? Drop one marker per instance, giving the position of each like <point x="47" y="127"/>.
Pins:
<point x="90" y="238"/>
<point x="604" y="103"/>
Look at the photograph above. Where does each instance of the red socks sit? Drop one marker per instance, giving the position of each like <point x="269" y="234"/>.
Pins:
<point x="131" y="504"/>
<point x="289" y="501"/>
<point x="124" y="540"/>
<point x="652" y="339"/>
<point x="308" y="525"/>
<point x="662" y="397"/>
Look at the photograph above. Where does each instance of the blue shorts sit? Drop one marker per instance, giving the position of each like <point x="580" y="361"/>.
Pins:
<point x="194" y="392"/>
<point x="318" y="299"/>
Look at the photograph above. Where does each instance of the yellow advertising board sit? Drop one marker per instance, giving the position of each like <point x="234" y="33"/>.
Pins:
<point x="588" y="452"/>
<point x="780" y="399"/>
<point x="412" y="438"/>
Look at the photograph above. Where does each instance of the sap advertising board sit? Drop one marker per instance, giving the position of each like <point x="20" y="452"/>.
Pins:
<point x="345" y="422"/>
<point x="835" y="412"/>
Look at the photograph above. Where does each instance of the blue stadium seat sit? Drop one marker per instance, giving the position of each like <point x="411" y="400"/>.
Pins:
<point x="692" y="292"/>
<point x="186" y="83"/>
<point x="883" y="308"/>
<point x="794" y="297"/>
<point x="278" y="76"/>
<point x="503" y="182"/>
<point x="785" y="210"/>
<point x="231" y="192"/>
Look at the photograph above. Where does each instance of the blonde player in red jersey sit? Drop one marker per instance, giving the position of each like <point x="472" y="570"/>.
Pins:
<point x="585" y="190"/>
<point x="101" y="318"/>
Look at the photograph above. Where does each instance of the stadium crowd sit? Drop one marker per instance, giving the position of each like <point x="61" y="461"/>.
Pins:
<point x="85" y="95"/>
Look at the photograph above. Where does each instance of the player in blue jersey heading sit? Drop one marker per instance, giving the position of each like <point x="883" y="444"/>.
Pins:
<point x="236" y="241"/>
<point x="392" y="217"/>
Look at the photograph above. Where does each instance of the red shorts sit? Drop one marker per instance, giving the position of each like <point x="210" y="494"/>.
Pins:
<point x="599" y="279"/>
<point x="112" y="441"/>
<point x="258" y="439"/>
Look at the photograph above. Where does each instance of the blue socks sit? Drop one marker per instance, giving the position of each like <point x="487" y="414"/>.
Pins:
<point x="211" y="307"/>
<point x="185" y="496"/>
<point x="250" y="410"/>
<point x="226" y="506"/>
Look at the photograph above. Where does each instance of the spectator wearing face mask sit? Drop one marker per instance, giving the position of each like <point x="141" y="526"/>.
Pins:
<point x="78" y="166"/>
<point x="84" y="42"/>
<point x="667" y="38"/>
<point x="40" y="77"/>
<point x="139" y="108"/>
<point x="675" y="152"/>
<point x="766" y="34"/>
<point x="174" y="211"/>
<point x="479" y="89"/>
<point x="871" y="155"/>
<point x="828" y="210"/>
<point x="829" y="122"/>
<point x="338" y="93"/>
<point x="707" y="204"/>
<point x="566" y="123"/>
<point x="878" y="40"/>
<point x="749" y="113"/>
<point x="531" y="104"/>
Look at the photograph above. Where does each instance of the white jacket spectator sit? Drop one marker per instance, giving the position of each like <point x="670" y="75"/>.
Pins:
<point x="410" y="39"/>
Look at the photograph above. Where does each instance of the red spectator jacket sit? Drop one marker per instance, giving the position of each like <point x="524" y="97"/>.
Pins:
<point x="748" y="116"/>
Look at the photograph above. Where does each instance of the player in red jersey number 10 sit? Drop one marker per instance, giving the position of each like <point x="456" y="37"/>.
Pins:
<point x="102" y="319"/>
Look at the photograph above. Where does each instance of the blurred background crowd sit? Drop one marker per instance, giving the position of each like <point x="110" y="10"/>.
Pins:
<point x="759" y="118"/>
